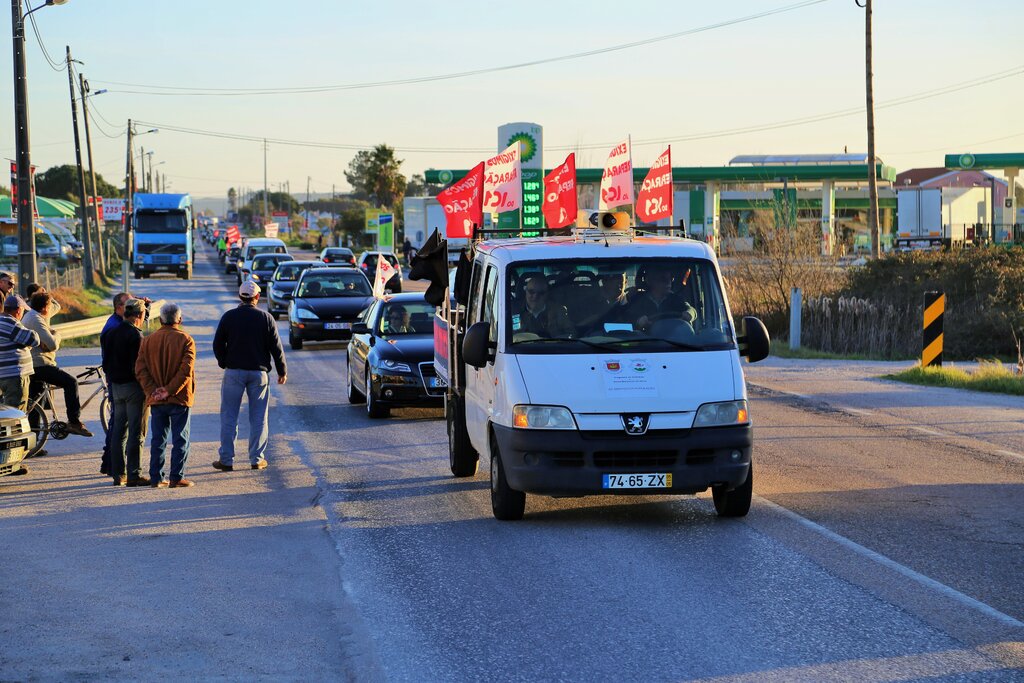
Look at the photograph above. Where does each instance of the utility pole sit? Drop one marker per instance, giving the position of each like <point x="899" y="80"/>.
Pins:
<point x="83" y="88"/>
<point x="86" y="231"/>
<point x="306" y="223"/>
<point x="876" y="247"/>
<point x="266" y="191"/>
<point x="126" y="215"/>
<point x="26" y="209"/>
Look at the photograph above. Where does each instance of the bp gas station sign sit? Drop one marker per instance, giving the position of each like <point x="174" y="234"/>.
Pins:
<point x="531" y="142"/>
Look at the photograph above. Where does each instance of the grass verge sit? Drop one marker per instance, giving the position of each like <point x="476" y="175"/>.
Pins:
<point x="782" y="350"/>
<point x="77" y="303"/>
<point x="991" y="376"/>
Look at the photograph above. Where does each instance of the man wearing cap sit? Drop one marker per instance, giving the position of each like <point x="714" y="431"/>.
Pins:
<point x="120" y="347"/>
<point x="44" y="362"/>
<point x="16" y="340"/>
<point x="245" y="343"/>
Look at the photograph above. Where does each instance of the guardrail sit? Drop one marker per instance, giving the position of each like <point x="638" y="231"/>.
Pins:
<point x="90" y="326"/>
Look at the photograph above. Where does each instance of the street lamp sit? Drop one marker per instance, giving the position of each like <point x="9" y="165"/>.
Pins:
<point x="25" y="207"/>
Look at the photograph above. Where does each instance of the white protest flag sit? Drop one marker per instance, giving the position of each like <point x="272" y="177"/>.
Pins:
<point x="385" y="271"/>
<point x="503" y="181"/>
<point x="617" y="179"/>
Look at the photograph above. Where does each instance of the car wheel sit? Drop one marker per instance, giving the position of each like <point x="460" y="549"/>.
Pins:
<point x="354" y="396"/>
<point x="462" y="458"/>
<point x="735" y="503"/>
<point x="294" y="341"/>
<point x="506" y="503"/>
<point x="373" y="407"/>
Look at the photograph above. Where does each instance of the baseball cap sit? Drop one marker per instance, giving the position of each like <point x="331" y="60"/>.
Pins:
<point x="134" y="307"/>
<point x="248" y="290"/>
<point x="14" y="301"/>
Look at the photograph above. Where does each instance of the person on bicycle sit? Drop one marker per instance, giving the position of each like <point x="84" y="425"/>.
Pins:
<point x="16" y="340"/>
<point x="44" y="362"/>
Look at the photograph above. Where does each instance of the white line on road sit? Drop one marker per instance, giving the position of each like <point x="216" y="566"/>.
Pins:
<point x="925" y="430"/>
<point x="907" y="572"/>
<point x="856" y="411"/>
<point x="1011" y="454"/>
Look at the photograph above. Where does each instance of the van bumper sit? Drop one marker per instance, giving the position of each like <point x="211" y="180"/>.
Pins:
<point x="573" y="463"/>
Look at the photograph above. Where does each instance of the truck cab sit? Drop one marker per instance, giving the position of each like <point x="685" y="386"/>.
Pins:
<point x="162" y="235"/>
<point x="601" y="363"/>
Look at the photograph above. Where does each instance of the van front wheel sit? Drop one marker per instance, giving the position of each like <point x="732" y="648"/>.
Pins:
<point x="506" y="503"/>
<point x="735" y="503"/>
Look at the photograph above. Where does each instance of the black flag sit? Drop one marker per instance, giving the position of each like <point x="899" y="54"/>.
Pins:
<point x="431" y="264"/>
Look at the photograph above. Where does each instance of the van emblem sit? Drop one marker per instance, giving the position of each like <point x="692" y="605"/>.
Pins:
<point x="636" y="425"/>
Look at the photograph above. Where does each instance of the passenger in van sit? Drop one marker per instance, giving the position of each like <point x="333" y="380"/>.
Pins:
<point x="537" y="315"/>
<point x="610" y="304"/>
<point x="657" y="302"/>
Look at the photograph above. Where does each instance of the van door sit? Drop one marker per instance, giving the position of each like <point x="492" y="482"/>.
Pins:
<point x="480" y="381"/>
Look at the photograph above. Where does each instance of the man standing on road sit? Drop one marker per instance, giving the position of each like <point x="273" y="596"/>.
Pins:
<point x="15" y="356"/>
<point x="114" y="321"/>
<point x="120" y="353"/>
<point x="44" y="362"/>
<point x="245" y="343"/>
<point x="166" y="369"/>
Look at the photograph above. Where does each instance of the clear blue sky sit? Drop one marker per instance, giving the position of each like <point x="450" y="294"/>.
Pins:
<point x="789" y="66"/>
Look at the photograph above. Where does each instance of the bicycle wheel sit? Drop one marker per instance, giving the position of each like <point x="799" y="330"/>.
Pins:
<point x="106" y="413"/>
<point x="41" y="428"/>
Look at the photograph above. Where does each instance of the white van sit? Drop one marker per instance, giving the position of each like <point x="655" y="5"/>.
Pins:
<point x="253" y="247"/>
<point x="601" y="363"/>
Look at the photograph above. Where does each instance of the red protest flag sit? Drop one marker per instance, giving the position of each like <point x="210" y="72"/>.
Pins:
<point x="560" y="194"/>
<point x="463" y="204"/>
<point x="655" y="199"/>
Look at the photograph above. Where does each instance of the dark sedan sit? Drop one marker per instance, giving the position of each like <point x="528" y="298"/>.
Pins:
<point x="338" y="256"/>
<point x="280" y="287"/>
<point x="264" y="265"/>
<point x="230" y="258"/>
<point x="391" y="356"/>
<point x="326" y="303"/>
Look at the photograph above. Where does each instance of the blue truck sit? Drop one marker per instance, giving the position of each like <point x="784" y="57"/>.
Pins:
<point x="162" y="228"/>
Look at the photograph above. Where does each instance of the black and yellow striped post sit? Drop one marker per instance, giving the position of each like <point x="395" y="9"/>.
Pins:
<point x="934" y="306"/>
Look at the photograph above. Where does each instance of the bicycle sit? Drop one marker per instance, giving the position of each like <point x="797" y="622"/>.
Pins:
<point x="44" y="427"/>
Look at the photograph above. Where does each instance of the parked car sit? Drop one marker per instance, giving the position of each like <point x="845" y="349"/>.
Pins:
<point x="368" y="264"/>
<point x="16" y="439"/>
<point x="338" y="256"/>
<point x="326" y="303"/>
<point x="252" y="248"/>
<point x="391" y="356"/>
<point x="46" y="246"/>
<point x="231" y="259"/>
<point x="10" y="246"/>
<point x="279" y="288"/>
<point x="264" y="265"/>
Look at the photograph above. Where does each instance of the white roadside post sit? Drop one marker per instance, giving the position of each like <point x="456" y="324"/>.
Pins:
<point x="795" y="310"/>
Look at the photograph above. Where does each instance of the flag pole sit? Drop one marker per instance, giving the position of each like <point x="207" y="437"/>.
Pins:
<point x="671" y="196"/>
<point x="632" y="185"/>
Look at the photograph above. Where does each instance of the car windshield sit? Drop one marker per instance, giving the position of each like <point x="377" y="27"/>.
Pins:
<point x="333" y="282"/>
<point x="371" y="260"/>
<point x="288" y="272"/>
<point x="616" y="305"/>
<point x="411" y="317"/>
<point x="337" y="252"/>
<point x="163" y="221"/>
<point x="263" y="249"/>
<point x="268" y="262"/>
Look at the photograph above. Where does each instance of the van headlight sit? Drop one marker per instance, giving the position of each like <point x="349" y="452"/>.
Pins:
<point x="721" y="414"/>
<point x="542" y="417"/>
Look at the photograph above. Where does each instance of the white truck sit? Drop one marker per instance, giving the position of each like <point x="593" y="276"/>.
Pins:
<point x="422" y="216"/>
<point x="933" y="218"/>
<point x="601" y="363"/>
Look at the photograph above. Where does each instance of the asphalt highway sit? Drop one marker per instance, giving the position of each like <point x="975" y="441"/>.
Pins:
<point x="881" y="546"/>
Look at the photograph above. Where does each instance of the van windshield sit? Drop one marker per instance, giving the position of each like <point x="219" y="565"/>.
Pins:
<point x="616" y="305"/>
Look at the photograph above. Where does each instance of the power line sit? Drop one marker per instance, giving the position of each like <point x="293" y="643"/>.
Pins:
<point x="178" y="91"/>
<point x="899" y="101"/>
<point x="55" y="65"/>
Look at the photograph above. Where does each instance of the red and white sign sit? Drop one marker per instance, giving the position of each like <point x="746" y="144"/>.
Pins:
<point x="232" y="236"/>
<point x="503" y="181"/>
<point x="560" y="194"/>
<point x="14" y="190"/>
<point x="385" y="271"/>
<point x="617" y="180"/>
<point x="655" y="199"/>
<point x="112" y="209"/>
<point x="97" y="202"/>
<point x="463" y="204"/>
<point x="270" y="230"/>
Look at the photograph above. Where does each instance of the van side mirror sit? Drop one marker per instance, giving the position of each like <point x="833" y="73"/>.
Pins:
<point x="754" y="341"/>
<point x="476" y="345"/>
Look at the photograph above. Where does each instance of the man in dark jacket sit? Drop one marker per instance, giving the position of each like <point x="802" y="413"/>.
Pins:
<point x="245" y="343"/>
<point x="120" y="348"/>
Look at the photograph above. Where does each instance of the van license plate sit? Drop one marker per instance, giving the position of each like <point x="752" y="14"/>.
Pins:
<point x="637" y="481"/>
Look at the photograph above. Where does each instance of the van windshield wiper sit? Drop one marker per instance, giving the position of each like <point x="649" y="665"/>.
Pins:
<point x="678" y="345"/>
<point x="603" y="347"/>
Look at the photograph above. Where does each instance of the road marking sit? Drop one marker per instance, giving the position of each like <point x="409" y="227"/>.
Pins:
<point x="1011" y="454"/>
<point x="907" y="572"/>
<point x="925" y="430"/>
<point x="856" y="411"/>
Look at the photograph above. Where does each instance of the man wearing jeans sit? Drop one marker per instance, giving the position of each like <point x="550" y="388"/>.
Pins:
<point x="166" y="369"/>
<point x="120" y="347"/>
<point x="245" y="343"/>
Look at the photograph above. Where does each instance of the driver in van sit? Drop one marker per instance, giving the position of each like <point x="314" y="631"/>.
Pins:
<point x="657" y="301"/>
<point x="537" y="315"/>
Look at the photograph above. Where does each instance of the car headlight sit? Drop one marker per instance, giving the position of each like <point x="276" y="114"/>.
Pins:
<point x="394" y="366"/>
<point x="542" y="417"/>
<point x="719" y="414"/>
<point x="305" y="314"/>
<point x="255" y="277"/>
